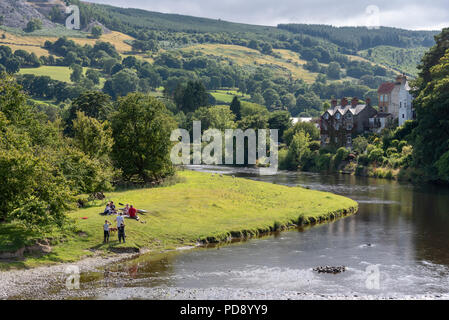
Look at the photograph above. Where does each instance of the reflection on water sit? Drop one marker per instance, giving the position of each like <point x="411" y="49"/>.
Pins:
<point x="403" y="229"/>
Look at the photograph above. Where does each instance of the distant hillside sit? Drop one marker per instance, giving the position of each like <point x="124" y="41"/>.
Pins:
<point x="400" y="59"/>
<point x="360" y="38"/>
<point x="17" y="13"/>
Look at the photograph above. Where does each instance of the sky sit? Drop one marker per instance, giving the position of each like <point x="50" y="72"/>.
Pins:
<point x="407" y="14"/>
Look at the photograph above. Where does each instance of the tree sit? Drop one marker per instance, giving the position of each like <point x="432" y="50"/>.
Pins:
<point x="308" y="127"/>
<point x="236" y="107"/>
<point x="280" y="120"/>
<point x="334" y="70"/>
<point x="122" y="83"/>
<point x="431" y="133"/>
<point x="216" y="117"/>
<point x="271" y="97"/>
<point x="93" y="104"/>
<point x="33" y="25"/>
<point x="93" y="75"/>
<point x="191" y="96"/>
<point x="306" y="102"/>
<point x="97" y="32"/>
<point x="92" y="137"/>
<point x="33" y="189"/>
<point x="298" y="151"/>
<point x="141" y="130"/>
<point x="288" y="100"/>
<point x="77" y="73"/>
<point x="359" y="144"/>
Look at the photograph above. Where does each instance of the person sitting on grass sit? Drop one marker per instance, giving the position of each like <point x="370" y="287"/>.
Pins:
<point x="106" y="231"/>
<point x="107" y="210"/>
<point x="112" y="205"/>
<point x="126" y="209"/>
<point x="132" y="212"/>
<point x="121" y="233"/>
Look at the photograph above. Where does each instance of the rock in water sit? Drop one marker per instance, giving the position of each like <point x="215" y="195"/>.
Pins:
<point x="329" y="269"/>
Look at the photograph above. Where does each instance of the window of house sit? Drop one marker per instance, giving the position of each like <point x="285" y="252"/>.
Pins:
<point x="349" y="139"/>
<point x="326" y="116"/>
<point x="337" y="116"/>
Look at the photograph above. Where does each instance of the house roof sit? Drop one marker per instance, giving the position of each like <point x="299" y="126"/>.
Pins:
<point x="348" y="108"/>
<point x="386" y="87"/>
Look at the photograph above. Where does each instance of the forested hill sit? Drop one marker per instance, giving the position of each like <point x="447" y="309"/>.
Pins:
<point x="360" y="38"/>
<point x="350" y="39"/>
<point x="130" y="19"/>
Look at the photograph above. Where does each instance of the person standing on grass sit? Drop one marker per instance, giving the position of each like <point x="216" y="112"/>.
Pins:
<point x="121" y="233"/>
<point x="120" y="219"/>
<point x="106" y="231"/>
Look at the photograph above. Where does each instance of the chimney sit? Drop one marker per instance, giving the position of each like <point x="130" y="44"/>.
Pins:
<point x="354" y="102"/>
<point x="400" y="79"/>
<point x="334" y="103"/>
<point x="368" y="102"/>
<point x="344" y="102"/>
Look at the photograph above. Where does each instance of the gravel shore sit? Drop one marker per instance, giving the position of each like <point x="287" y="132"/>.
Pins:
<point x="36" y="282"/>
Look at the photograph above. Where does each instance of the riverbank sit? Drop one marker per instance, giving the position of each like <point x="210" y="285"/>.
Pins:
<point x="201" y="208"/>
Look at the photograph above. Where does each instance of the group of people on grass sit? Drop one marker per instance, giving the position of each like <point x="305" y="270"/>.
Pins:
<point x="128" y="211"/>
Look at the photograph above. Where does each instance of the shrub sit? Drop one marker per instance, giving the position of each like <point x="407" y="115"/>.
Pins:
<point x="376" y="155"/>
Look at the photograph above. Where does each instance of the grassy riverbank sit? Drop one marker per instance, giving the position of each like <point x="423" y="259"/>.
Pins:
<point x="200" y="207"/>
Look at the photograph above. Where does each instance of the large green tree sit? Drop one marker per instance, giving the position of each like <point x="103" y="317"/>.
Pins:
<point x="141" y="129"/>
<point x="93" y="104"/>
<point x="431" y="133"/>
<point x="191" y="96"/>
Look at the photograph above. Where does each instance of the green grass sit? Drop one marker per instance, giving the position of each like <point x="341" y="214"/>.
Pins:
<point x="55" y="72"/>
<point x="58" y="31"/>
<point x="200" y="206"/>
<point x="226" y="96"/>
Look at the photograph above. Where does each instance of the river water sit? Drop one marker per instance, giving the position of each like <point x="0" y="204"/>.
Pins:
<point x="396" y="247"/>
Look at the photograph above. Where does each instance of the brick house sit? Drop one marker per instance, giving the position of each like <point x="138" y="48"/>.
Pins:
<point x="341" y="123"/>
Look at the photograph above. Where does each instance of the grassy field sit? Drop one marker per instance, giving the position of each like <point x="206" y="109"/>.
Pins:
<point x="55" y="72"/>
<point x="226" y="96"/>
<point x="35" y="43"/>
<point x="288" y="65"/>
<point x="200" y="206"/>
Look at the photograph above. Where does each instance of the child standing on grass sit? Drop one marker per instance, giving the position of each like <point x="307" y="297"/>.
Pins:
<point x="121" y="233"/>
<point x="106" y="231"/>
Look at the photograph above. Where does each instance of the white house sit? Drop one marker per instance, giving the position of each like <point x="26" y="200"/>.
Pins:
<point x="395" y="98"/>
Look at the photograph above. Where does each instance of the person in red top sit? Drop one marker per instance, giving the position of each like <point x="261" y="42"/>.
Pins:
<point x="132" y="212"/>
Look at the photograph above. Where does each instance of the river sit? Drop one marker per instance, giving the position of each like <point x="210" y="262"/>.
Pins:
<point x="396" y="247"/>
